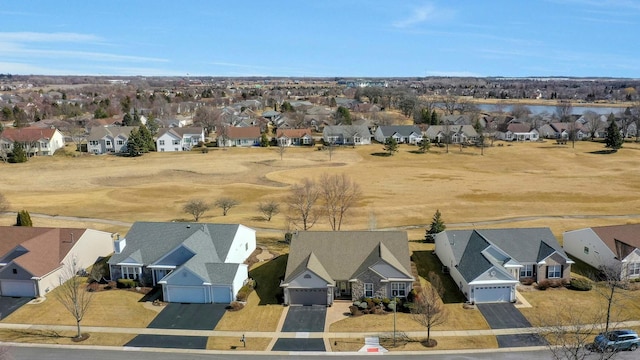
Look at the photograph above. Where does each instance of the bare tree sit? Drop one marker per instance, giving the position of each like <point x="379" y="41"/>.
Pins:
<point x="269" y="209"/>
<point x="196" y="208"/>
<point x="436" y="283"/>
<point x="564" y="110"/>
<point x="207" y="117"/>
<point x="569" y="332"/>
<point x="520" y="111"/>
<point x="225" y="203"/>
<point x="78" y="135"/>
<point x="301" y="202"/>
<point x="72" y="293"/>
<point x="338" y="194"/>
<point x="593" y="122"/>
<point x="614" y="279"/>
<point x="429" y="311"/>
<point x="281" y="149"/>
<point x="4" y="203"/>
<point x="450" y="103"/>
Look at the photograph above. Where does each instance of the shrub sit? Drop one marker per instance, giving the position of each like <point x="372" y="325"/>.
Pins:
<point x="235" y="306"/>
<point x="363" y="305"/>
<point x="355" y="310"/>
<point x="543" y="284"/>
<point x="581" y="284"/>
<point x="527" y="281"/>
<point x="126" y="283"/>
<point x="376" y="301"/>
<point x="244" y="291"/>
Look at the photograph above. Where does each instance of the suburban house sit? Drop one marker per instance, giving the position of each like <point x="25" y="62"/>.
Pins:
<point x="288" y="137"/>
<point x="33" y="259"/>
<point x="327" y="265"/>
<point x="346" y="135"/>
<point x="179" y="138"/>
<point x="36" y="141"/>
<point x="404" y="134"/>
<point x="456" y="133"/>
<point x="239" y="136"/>
<point x="517" y="131"/>
<point x="488" y="264"/>
<point x="193" y="262"/>
<point x="108" y="139"/>
<point x="614" y="247"/>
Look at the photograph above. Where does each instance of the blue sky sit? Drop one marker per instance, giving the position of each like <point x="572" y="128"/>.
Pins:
<point x="350" y="38"/>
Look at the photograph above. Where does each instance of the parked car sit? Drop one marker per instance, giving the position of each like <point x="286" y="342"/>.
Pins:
<point x="616" y="341"/>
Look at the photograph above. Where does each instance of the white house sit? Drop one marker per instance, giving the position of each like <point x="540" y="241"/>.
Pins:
<point x="346" y="135"/>
<point x="36" y="141"/>
<point x="33" y="259"/>
<point x="488" y="264"/>
<point x="179" y="138"/>
<point x="404" y="134"/>
<point x="193" y="262"/>
<point x="613" y="247"/>
<point x="108" y="139"/>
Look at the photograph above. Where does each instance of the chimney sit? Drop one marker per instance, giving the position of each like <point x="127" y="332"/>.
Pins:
<point x="118" y="244"/>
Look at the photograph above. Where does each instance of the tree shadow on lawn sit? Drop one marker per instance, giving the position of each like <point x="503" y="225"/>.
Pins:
<point x="381" y="154"/>
<point x="267" y="278"/>
<point x="427" y="261"/>
<point x="603" y="152"/>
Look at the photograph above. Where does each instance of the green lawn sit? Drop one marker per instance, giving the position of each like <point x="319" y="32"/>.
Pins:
<point x="427" y="261"/>
<point x="268" y="277"/>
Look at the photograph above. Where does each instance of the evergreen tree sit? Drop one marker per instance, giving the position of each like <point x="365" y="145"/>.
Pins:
<point x="18" y="154"/>
<point x="434" y="118"/>
<point x="391" y="145"/>
<point x="23" y="219"/>
<point x="343" y="115"/>
<point x="146" y="139"/>
<point x="264" y="140"/>
<point x="127" y="120"/>
<point x="134" y="144"/>
<point x="614" y="138"/>
<point x="437" y="225"/>
<point x="425" y="145"/>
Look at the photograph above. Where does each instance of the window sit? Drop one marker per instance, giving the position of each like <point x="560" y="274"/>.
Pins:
<point x="14" y="270"/>
<point x="633" y="269"/>
<point x="586" y="249"/>
<point x="131" y="272"/>
<point x="161" y="142"/>
<point x="526" y="271"/>
<point x="176" y="142"/>
<point x="398" y="289"/>
<point x="108" y="143"/>
<point x="120" y="142"/>
<point x="368" y="290"/>
<point x="554" y="271"/>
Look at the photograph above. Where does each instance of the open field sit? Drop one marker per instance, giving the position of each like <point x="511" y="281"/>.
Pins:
<point x="515" y="180"/>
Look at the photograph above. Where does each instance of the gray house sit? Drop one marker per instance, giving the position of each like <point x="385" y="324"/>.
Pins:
<point x="327" y="265"/>
<point x="346" y="135"/>
<point x="108" y="139"/>
<point x="404" y="134"/>
<point x="193" y="262"/>
<point x="488" y="264"/>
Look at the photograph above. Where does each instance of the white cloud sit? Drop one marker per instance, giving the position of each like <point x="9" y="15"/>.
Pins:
<point x="427" y="12"/>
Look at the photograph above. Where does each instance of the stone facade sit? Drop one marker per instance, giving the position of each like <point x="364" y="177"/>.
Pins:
<point x="357" y="288"/>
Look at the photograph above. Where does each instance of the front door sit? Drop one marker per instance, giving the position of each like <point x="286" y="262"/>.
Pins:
<point x="344" y="288"/>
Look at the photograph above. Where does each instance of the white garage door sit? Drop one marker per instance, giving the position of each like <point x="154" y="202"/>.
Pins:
<point x="186" y="294"/>
<point x="23" y="288"/>
<point x="221" y="295"/>
<point x="484" y="294"/>
<point x="308" y="296"/>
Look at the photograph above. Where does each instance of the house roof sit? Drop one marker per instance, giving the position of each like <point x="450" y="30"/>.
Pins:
<point x="148" y="242"/>
<point x="42" y="249"/>
<point x="335" y="255"/>
<point x="293" y="133"/>
<point x="99" y="132"/>
<point x="402" y="130"/>
<point x="616" y="236"/>
<point x="181" y="131"/>
<point x="251" y="132"/>
<point x="29" y="134"/>
<point x="524" y="246"/>
<point x="347" y="130"/>
<point x="434" y="130"/>
<point x="519" y="127"/>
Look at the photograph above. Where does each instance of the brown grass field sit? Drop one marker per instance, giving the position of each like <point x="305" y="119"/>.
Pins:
<point x="515" y="180"/>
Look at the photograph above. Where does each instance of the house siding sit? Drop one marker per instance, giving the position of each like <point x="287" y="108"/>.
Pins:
<point x="243" y="245"/>
<point x="575" y="242"/>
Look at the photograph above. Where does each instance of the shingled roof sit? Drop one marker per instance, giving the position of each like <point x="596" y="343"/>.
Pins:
<point x="621" y="239"/>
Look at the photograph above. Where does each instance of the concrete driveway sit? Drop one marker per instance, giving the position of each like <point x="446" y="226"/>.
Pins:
<point x="10" y="304"/>
<point x="305" y="319"/>
<point x="189" y="316"/>
<point x="506" y="316"/>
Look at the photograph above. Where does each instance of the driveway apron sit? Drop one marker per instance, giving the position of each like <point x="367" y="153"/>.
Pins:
<point x="506" y="316"/>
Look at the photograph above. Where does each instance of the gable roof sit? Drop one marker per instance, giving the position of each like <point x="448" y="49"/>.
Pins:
<point x="251" y="132"/>
<point x="347" y="130"/>
<point x="180" y="132"/>
<point x="293" y="133"/>
<point x="29" y="134"/>
<point x="341" y="255"/>
<point x="45" y="247"/>
<point x="402" y="130"/>
<point x="524" y="246"/>
<point x="99" y="132"/>
<point x="615" y="236"/>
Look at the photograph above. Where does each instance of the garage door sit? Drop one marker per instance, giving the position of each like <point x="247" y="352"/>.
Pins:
<point x="22" y="288"/>
<point x="483" y="294"/>
<point x="186" y="294"/>
<point x="221" y="295"/>
<point x="308" y="296"/>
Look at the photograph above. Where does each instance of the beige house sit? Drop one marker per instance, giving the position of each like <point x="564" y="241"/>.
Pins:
<point x="327" y="265"/>
<point x="32" y="259"/>
<point x="36" y="141"/>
